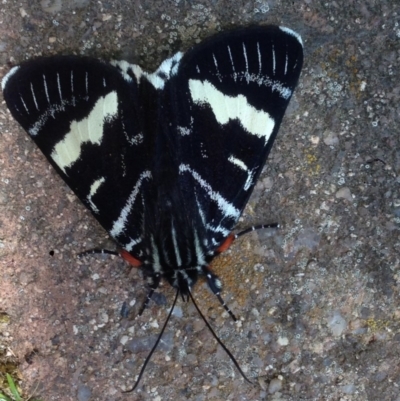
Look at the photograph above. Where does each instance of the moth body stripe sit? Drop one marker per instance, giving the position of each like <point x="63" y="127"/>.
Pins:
<point x="176" y="247"/>
<point x="155" y="256"/>
<point x="226" y="108"/>
<point x="199" y="251"/>
<point x="90" y="129"/>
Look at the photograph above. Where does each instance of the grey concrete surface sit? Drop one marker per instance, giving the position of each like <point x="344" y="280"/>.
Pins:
<point x="318" y="299"/>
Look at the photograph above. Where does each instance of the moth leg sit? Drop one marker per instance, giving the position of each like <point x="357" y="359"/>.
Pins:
<point x="97" y="251"/>
<point x="153" y="282"/>
<point x="255" y="228"/>
<point x="231" y="237"/>
<point x="215" y="285"/>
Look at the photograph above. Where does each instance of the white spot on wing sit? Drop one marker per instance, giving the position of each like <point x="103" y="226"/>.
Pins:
<point x="247" y="63"/>
<point x="49" y="112"/>
<point x="250" y="174"/>
<point x="72" y="81"/>
<point x="8" y="76"/>
<point x="87" y="84"/>
<point x="292" y="33"/>
<point x="227" y="208"/>
<point x="136" y="140"/>
<point x="184" y="130"/>
<point x="225" y="108"/>
<point x="34" y="97"/>
<point x="259" y="58"/>
<point x="233" y="65"/>
<point x="46" y="89"/>
<point x="219" y="229"/>
<point x="165" y="71"/>
<point x="22" y="100"/>
<point x="119" y="225"/>
<point x="273" y="60"/>
<point x="286" y="62"/>
<point x="238" y="163"/>
<point x="93" y="189"/>
<point x="124" y="66"/>
<point x="129" y="246"/>
<point x="90" y="129"/>
<point x="216" y="67"/>
<point x="72" y="89"/>
<point x="59" y="87"/>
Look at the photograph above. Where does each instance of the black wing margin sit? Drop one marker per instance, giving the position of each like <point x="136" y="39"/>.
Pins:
<point x="237" y="86"/>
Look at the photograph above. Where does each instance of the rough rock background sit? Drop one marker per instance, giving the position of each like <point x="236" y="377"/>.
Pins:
<point x="318" y="299"/>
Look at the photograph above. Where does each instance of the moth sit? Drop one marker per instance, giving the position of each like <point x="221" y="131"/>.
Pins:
<point x="165" y="161"/>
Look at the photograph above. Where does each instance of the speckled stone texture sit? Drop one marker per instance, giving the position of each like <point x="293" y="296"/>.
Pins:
<point x="318" y="299"/>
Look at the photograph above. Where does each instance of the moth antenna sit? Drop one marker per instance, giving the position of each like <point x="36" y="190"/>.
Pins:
<point x="218" y="340"/>
<point x="97" y="251"/>
<point x="154" y="346"/>
<point x="254" y="228"/>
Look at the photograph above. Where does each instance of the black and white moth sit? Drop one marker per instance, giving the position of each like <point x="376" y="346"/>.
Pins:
<point x="165" y="161"/>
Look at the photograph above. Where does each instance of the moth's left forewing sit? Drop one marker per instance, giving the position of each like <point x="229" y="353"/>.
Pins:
<point x="86" y="116"/>
<point x="236" y="88"/>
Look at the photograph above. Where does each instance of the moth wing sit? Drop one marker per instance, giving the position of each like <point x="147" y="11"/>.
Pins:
<point x="86" y="116"/>
<point x="230" y="95"/>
